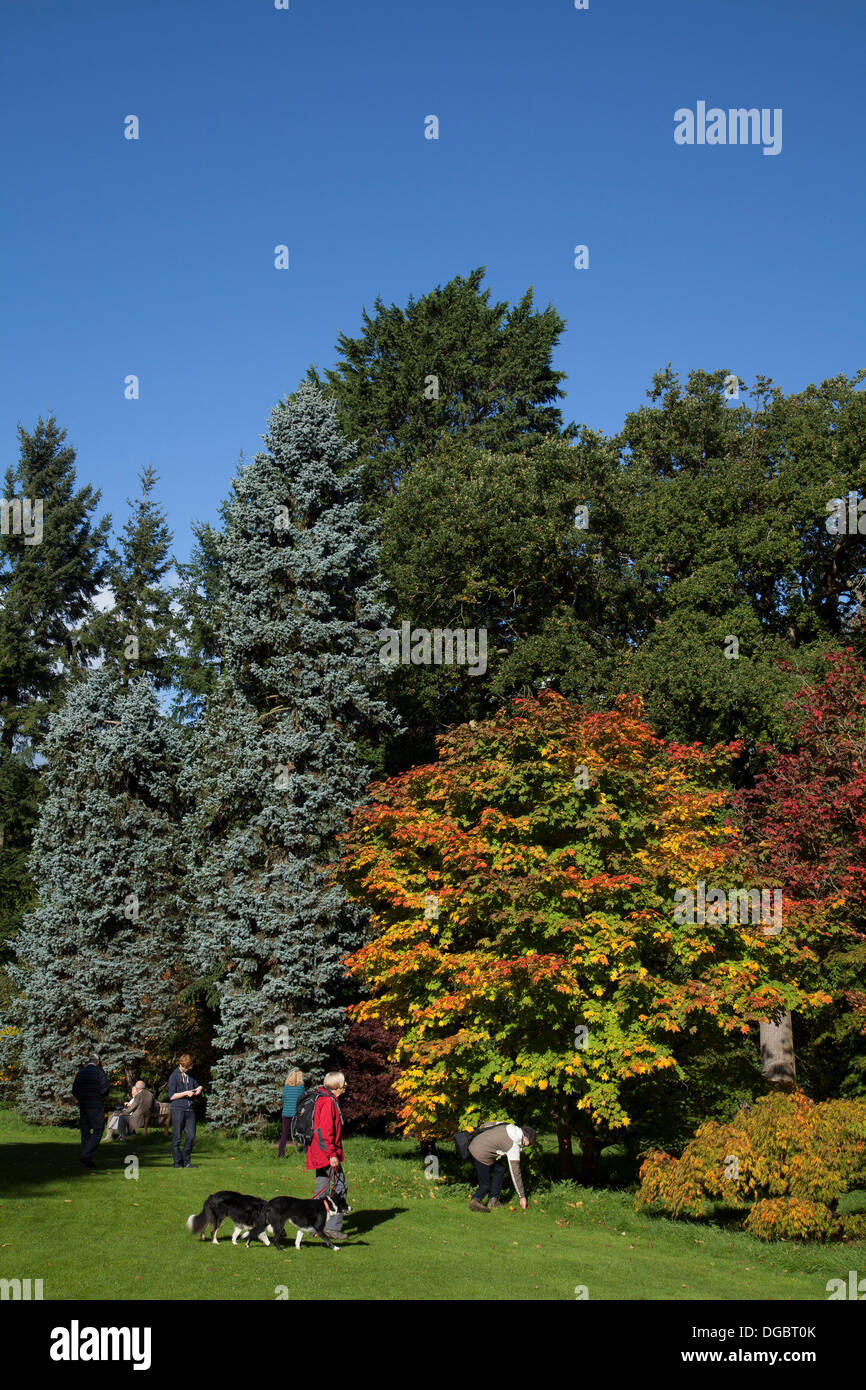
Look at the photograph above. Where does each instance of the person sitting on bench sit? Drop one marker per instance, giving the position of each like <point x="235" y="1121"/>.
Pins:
<point x="137" y="1113"/>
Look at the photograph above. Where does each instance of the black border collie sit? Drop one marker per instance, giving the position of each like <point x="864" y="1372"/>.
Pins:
<point x="308" y="1215"/>
<point x="242" y="1210"/>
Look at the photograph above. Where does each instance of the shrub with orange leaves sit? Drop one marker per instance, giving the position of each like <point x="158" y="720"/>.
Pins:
<point x="785" y="1162"/>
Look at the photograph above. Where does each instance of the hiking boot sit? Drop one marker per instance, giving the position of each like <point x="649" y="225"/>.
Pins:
<point x="476" y="1206"/>
<point x="493" y="1203"/>
<point x="336" y="1235"/>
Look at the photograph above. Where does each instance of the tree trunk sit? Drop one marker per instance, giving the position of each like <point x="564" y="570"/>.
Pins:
<point x="591" y="1146"/>
<point x="566" y="1155"/>
<point x="777" y="1052"/>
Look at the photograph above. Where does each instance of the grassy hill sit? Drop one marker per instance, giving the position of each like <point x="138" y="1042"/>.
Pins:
<point x="105" y="1236"/>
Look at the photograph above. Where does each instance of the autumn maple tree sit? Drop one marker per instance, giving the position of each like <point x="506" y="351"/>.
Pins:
<point x="523" y="938"/>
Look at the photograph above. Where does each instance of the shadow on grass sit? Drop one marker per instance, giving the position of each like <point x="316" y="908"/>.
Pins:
<point x="26" y="1167"/>
<point x="617" y="1170"/>
<point x="718" y="1217"/>
<point x="369" y="1218"/>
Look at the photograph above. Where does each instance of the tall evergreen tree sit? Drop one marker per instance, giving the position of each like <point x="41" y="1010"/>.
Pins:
<point x="726" y="531"/>
<point x="52" y="564"/>
<point x="197" y="658"/>
<point x="450" y="363"/>
<point x="98" y="958"/>
<point x="198" y="655"/>
<point x="494" y="543"/>
<point x="276" y="766"/>
<point x="136" y="634"/>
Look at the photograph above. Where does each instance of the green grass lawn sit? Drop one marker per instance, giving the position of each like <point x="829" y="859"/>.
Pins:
<point x="104" y="1236"/>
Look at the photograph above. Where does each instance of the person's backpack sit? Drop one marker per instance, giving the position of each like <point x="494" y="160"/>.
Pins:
<point x="463" y="1138"/>
<point x="302" y="1120"/>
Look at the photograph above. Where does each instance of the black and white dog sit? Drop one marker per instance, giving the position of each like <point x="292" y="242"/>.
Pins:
<point x="309" y="1217"/>
<point x="243" y="1211"/>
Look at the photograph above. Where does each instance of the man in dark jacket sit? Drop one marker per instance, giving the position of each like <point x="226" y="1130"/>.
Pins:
<point x="90" y="1088"/>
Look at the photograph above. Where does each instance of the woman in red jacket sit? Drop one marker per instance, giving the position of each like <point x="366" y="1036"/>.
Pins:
<point x="325" y="1154"/>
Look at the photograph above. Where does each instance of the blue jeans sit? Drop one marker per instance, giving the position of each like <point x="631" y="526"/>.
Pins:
<point x="492" y="1176"/>
<point x="182" y="1123"/>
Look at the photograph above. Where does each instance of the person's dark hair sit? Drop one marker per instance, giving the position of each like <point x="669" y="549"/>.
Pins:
<point x="531" y="1134"/>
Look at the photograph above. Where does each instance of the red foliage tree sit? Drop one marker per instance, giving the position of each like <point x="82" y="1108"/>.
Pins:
<point x="370" y="1103"/>
<point x="805" y="819"/>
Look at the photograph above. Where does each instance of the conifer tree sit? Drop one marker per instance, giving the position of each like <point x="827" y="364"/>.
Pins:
<point x="277" y="764"/>
<point x="136" y="634"/>
<point x="97" y="958"/>
<point x="197" y="659"/>
<point x="450" y="364"/>
<point x="52" y="565"/>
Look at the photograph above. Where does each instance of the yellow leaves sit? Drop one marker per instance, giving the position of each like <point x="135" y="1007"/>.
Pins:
<point x="542" y="1085"/>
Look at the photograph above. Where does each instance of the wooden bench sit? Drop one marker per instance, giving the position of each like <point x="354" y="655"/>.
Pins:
<point x="159" y="1117"/>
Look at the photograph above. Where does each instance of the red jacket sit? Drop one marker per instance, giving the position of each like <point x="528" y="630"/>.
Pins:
<point x="327" y="1131"/>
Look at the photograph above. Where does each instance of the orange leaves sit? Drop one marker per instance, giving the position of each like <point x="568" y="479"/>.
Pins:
<point x="787" y="1157"/>
<point x="553" y="909"/>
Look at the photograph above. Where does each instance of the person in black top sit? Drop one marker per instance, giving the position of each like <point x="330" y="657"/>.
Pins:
<point x="182" y="1090"/>
<point x="90" y="1088"/>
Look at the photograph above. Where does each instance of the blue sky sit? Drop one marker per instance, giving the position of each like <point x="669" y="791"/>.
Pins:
<point x="306" y="127"/>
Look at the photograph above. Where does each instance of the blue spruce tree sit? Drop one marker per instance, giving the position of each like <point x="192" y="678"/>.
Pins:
<point x="97" y="958"/>
<point x="277" y="764"/>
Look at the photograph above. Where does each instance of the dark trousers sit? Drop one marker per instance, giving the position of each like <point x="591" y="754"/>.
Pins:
<point x="92" y="1121"/>
<point x="327" y="1179"/>
<point x="490" y="1176"/>
<point x="122" y="1126"/>
<point x="182" y="1124"/>
<point x="285" y="1136"/>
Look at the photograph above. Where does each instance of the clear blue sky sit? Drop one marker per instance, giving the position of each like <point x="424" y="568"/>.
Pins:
<point x="306" y="127"/>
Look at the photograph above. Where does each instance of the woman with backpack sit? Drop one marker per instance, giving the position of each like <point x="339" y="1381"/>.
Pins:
<point x="292" y="1092"/>
<point x="319" y="1126"/>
